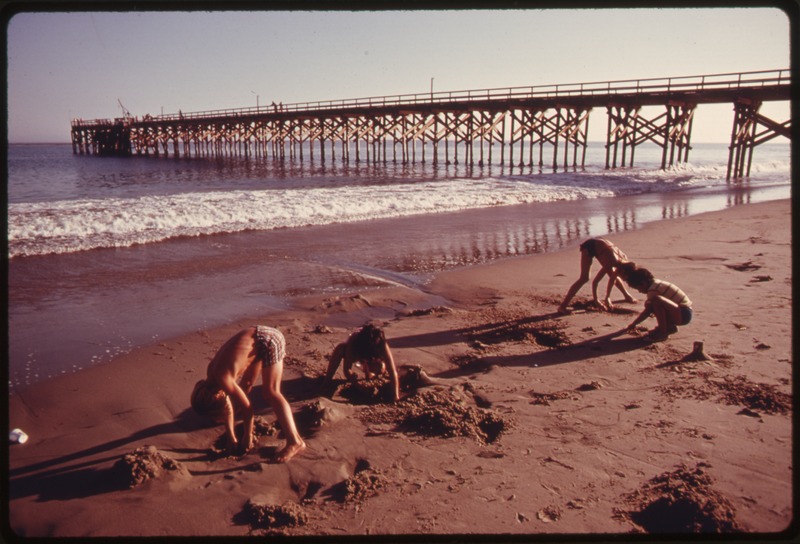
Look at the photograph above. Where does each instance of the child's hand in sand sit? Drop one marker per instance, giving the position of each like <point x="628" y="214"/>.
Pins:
<point x="632" y="330"/>
<point x="231" y="448"/>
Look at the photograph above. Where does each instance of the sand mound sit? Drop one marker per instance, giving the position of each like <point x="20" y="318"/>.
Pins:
<point x="682" y="501"/>
<point x="429" y="311"/>
<point x="549" y="514"/>
<point x="378" y="390"/>
<point x="373" y="391"/>
<point x="442" y="412"/>
<point x="322" y="412"/>
<point x="271" y="518"/>
<point x="366" y="482"/>
<point x="735" y="391"/>
<point x="738" y="390"/>
<point x="145" y="463"/>
<point x="264" y="427"/>
<point x="544" y="399"/>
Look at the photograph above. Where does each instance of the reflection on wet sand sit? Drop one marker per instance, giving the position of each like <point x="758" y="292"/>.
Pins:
<point x="528" y="233"/>
<point x="534" y="236"/>
<point x="676" y="210"/>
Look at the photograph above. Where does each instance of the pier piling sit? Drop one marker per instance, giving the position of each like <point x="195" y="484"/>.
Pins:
<point x="520" y="121"/>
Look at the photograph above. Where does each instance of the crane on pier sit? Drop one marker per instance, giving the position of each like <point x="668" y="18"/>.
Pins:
<point x="125" y="113"/>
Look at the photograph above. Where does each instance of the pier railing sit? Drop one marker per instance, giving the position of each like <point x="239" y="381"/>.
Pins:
<point x="627" y="87"/>
<point x="518" y="120"/>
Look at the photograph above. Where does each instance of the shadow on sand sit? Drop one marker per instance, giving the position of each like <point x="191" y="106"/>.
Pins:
<point x="609" y="344"/>
<point x="55" y="479"/>
<point x="601" y="346"/>
<point x="83" y="474"/>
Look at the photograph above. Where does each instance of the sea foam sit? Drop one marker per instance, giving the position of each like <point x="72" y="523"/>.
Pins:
<point x="63" y="226"/>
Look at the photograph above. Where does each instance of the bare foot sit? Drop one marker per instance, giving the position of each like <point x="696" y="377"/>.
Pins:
<point x="243" y="448"/>
<point x="562" y="310"/>
<point x="289" y="451"/>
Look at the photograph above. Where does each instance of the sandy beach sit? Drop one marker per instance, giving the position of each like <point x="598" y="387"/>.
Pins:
<point x="531" y="423"/>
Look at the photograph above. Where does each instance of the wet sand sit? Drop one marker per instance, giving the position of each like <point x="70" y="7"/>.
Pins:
<point x="118" y="300"/>
<point x="532" y="422"/>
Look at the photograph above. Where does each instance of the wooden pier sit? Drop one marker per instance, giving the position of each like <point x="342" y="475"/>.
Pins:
<point x="544" y="126"/>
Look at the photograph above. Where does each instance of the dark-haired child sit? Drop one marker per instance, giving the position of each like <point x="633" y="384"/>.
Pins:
<point x="670" y="305"/>
<point x="369" y="347"/>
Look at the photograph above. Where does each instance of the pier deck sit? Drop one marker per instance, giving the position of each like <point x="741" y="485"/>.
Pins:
<point x="538" y="125"/>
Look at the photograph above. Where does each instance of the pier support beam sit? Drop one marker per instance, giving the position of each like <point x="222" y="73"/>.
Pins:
<point x="562" y="125"/>
<point x="746" y="135"/>
<point x="622" y="129"/>
<point x="671" y="131"/>
<point x="678" y="132"/>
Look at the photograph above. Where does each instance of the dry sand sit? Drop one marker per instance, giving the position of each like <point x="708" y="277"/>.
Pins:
<point x="527" y="425"/>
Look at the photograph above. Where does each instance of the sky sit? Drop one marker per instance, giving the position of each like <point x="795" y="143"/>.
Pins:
<point x="85" y="64"/>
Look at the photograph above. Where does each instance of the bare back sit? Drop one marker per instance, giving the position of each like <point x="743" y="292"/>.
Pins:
<point x="233" y="358"/>
<point x="608" y="255"/>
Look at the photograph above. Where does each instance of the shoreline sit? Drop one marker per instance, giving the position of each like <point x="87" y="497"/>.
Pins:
<point x="588" y="424"/>
<point x="107" y="292"/>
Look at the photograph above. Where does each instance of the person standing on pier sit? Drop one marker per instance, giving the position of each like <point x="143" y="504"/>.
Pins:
<point x="609" y="256"/>
<point x="230" y="376"/>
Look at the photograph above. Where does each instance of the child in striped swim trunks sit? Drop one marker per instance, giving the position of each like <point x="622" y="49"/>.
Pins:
<point x="230" y="377"/>
<point x="670" y="305"/>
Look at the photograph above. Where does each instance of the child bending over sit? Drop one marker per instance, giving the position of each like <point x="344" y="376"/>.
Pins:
<point x="230" y="376"/>
<point x="610" y="257"/>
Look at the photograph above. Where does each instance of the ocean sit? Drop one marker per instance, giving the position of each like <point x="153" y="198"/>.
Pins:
<point x="107" y="254"/>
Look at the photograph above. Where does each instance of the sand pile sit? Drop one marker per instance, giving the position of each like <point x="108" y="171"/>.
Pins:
<point x="366" y="482"/>
<point x="544" y="399"/>
<point x="321" y="412"/>
<point x="754" y="398"/>
<point x="145" y="463"/>
<point x="372" y="391"/>
<point x="271" y="519"/>
<point x="442" y="412"/>
<point x="682" y="501"/>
